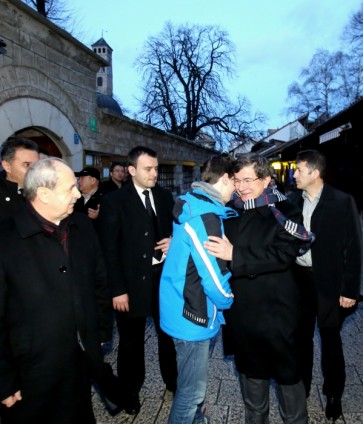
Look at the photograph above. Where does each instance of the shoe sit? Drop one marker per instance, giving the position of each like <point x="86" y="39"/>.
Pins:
<point x="333" y="408"/>
<point x="132" y="404"/>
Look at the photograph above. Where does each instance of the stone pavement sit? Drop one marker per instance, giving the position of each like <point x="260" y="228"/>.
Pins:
<point x="223" y="399"/>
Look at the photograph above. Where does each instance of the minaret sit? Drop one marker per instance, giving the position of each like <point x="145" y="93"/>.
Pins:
<point x="104" y="84"/>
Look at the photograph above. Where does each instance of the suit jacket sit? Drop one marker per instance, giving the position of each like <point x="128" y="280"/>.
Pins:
<point x="336" y="253"/>
<point x="47" y="300"/>
<point x="127" y="238"/>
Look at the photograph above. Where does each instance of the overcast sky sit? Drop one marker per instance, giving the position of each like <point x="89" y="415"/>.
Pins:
<point x="274" y="40"/>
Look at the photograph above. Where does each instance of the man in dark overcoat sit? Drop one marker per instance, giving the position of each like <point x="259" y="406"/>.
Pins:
<point x="17" y="154"/>
<point x="55" y="305"/>
<point x="134" y="244"/>
<point x="328" y="275"/>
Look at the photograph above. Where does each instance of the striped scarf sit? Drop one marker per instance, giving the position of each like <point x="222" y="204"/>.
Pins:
<point x="268" y="198"/>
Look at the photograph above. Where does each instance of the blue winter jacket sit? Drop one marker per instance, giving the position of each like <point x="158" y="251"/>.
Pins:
<point x="194" y="286"/>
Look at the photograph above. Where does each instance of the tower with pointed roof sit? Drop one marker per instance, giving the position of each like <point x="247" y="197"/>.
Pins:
<point x="104" y="81"/>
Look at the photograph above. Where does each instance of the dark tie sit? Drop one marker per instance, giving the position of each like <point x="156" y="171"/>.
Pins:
<point x="149" y="209"/>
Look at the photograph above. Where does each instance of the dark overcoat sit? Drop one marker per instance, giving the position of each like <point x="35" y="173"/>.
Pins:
<point x="49" y="300"/>
<point x="265" y="312"/>
<point x="10" y="199"/>
<point x="336" y="253"/>
<point x="127" y="238"/>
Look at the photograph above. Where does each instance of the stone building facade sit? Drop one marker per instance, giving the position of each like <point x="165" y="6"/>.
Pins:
<point x="48" y="93"/>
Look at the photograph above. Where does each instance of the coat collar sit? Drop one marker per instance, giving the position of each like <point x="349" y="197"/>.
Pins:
<point x="28" y="225"/>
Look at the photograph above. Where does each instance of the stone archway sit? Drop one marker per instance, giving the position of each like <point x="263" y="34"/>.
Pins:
<point x="24" y="114"/>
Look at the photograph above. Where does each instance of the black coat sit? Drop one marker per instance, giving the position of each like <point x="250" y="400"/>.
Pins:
<point x="265" y="312"/>
<point x="109" y="186"/>
<point x="92" y="203"/>
<point x="336" y="253"/>
<point x="46" y="298"/>
<point x="10" y="199"/>
<point x="127" y="239"/>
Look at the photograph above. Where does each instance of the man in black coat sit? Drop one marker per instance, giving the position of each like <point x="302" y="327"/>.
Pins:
<point x="89" y="184"/>
<point x="134" y="244"/>
<point x="17" y="155"/>
<point x="328" y="275"/>
<point x="117" y="178"/>
<point x="55" y="305"/>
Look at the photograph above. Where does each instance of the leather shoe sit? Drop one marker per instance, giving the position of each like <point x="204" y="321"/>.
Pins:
<point x="132" y="404"/>
<point x="333" y="408"/>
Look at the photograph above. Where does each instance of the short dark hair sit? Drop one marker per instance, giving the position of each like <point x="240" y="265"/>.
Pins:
<point x="216" y="167"/>
<point x="136" y="152"/>
<point x="314" y="160"/>
<point x="261" y="164"/>
<point x="114" y="164"/>
<point x="10" y="146"/>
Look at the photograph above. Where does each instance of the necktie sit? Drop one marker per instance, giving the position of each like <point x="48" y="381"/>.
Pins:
<point x="157" y="253"/>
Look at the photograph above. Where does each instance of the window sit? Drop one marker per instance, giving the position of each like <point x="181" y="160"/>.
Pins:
<point x="99" y="81"/>
<point x="187" y="176"/>
<point x="166" y="176"/>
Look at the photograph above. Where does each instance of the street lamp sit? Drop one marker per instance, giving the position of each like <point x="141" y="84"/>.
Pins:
<point x="2" y="47"/>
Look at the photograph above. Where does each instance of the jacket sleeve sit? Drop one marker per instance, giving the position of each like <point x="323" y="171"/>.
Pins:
<point x="352" y="251"/>
<point x="103" y="296"/>
<point x="213" y="272"/>
<point x="109" y="235"/>
<point x="9" y="383"/>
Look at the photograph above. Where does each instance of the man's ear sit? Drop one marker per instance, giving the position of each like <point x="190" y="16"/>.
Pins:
<point x="316" y="173"/>
<point x="266" y="181"/>
<point x="6" y="165"/>
<point x="43" y="194"/>
<point x="225" y="178"/>
<point x="132" y="170"/>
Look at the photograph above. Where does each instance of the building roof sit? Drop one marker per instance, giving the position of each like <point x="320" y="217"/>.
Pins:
<point x="109" y="103"/>
<point x="101" y="42"/>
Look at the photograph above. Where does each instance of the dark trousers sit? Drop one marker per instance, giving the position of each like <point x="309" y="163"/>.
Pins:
<point x="131" y="349"/>
<point x="332" y="356"/>
<point x="255" y="393"/>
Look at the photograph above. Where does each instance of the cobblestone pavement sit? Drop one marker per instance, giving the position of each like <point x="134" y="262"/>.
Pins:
<point x="223" y="399"/>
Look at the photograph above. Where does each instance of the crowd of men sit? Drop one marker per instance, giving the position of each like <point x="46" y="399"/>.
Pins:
<point x="76" y="253"/>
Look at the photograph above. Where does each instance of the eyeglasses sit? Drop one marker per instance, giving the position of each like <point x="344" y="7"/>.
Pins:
<point x="246" y="181"/>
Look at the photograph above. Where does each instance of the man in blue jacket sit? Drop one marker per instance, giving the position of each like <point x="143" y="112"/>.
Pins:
<point x="194" y="286"/>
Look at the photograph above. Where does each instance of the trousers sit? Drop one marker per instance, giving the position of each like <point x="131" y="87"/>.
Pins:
<point x="192" y="360"/>
<point x="332" y="355"/>
<point x="131" y="349"/>
<point x="255" y="393"/>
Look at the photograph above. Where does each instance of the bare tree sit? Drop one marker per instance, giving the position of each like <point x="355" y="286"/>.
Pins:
<point x="353" y="32"/>
<point x="183" y="70"/>
<point x="320" y="87"/>
<point x="331" y="82"/>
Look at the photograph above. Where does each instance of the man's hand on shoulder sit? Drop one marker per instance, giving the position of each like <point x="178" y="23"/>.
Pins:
<point x="121" y="303"/>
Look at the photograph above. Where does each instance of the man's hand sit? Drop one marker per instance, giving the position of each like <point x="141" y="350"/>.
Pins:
<point x="345" y="302"/>
<point x="163" y="245"/>
<point x="93" y="213"/>
<point x="121" y="303"/>
<point x="219" y="247"/>
<point x="11" y="400"/>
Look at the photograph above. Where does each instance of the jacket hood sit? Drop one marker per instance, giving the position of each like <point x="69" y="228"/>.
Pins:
<point x="192" y="204"/>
